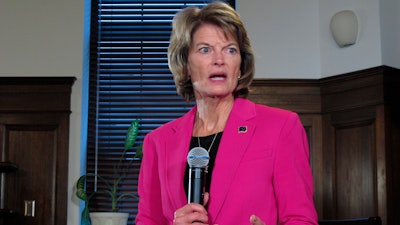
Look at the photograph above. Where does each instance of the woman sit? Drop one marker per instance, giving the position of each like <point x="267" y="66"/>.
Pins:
<point x="259" y="170"/>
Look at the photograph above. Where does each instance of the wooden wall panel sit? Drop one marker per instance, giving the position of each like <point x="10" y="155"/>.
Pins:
<point x="353" y="127"/>
<point x="355" y="169"/>
<point x="353" y="108"/>
<point x="390" y="133"/>
<point x="33" y="149"/>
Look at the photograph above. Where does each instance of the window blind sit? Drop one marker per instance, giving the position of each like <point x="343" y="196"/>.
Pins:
<point x="129" y="79"/>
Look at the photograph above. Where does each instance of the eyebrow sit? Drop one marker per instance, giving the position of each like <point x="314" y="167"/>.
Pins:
<point x="207" y="44"/>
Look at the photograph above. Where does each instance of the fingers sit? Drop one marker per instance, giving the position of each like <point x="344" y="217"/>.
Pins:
<point x="254" y="220"/>
<point x="206" y="197"/>
<point x="191" y="214"/>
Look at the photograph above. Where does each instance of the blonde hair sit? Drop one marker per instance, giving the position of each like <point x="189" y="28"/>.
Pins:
<point x="184" y="25"/>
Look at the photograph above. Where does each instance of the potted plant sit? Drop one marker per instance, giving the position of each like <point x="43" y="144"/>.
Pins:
<point x="112" y="185"/>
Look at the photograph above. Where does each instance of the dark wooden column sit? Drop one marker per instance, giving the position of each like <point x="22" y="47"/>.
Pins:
<point x="34" y="136"/>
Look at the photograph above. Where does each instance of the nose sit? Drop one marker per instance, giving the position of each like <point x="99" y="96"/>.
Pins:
<point x="219" y="58"/>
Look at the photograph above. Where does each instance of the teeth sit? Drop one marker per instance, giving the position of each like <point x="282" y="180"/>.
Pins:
<point x="218" y="78"/>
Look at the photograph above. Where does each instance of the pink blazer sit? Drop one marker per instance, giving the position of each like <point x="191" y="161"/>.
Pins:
<point x="262" y="168"/>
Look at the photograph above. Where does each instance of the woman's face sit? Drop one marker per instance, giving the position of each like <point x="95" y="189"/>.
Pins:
<point x="213" y="63"/>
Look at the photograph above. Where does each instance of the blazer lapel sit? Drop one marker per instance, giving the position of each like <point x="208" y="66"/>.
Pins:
<point x="177" y="145"/>
<point x="237" y="134"/>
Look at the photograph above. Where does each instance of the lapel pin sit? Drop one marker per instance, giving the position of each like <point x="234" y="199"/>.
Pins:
<point x="242" y="129"/>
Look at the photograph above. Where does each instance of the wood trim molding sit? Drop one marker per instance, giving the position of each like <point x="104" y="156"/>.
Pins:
<point x="301" y="96"/>
<point x="373" y="86"/>
<point x="26" y="94"/>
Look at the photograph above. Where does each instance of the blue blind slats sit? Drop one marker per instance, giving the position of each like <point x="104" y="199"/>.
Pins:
<point x="129" y="79"/>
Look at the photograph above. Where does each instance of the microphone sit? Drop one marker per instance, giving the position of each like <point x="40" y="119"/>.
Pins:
<point x="198" y="161"/>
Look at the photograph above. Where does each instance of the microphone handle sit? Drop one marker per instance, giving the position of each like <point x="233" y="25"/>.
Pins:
<point x="196" y="188"/>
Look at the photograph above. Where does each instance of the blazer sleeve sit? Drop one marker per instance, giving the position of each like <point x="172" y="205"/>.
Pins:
<point x="150" y="206"/>
<point x="293" y="181"/>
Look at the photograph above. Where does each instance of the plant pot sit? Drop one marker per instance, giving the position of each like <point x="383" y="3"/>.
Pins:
<point x="109" y="218"/>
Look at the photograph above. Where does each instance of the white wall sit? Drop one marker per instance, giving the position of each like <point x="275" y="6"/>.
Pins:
<point x="45" y="38"/>
<point x="284" y="35"/>
<point x="390" y="30"/>
<point x="366" y="53"/>
<point x="291" y="40"/>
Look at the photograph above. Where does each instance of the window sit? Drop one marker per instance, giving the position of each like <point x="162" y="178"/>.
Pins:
<point x="129" y="79"/>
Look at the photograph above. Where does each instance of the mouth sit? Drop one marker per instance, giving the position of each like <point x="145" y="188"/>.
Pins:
<point x="218" y="76"/>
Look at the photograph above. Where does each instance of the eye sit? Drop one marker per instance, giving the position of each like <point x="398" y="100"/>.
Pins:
<point x="232" y="50"/>
<point x="204" y="50"/>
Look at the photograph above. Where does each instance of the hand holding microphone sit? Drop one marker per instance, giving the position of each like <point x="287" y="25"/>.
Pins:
<point x="197" y="159"/>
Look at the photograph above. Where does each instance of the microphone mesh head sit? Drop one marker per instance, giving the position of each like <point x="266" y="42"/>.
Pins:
<point x="198" y="157"/>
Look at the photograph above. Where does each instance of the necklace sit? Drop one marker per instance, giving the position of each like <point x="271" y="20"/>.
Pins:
<point x="209" y="148"/>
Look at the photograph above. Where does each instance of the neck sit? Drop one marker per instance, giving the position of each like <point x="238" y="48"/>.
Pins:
<point x="211" y="116"/>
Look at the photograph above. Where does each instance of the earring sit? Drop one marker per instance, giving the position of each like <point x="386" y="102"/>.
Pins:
<point x="239" y="77"/>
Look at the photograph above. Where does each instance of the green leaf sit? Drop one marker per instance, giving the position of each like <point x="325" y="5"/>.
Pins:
<point x="131" y="135"/>
<point x="80" y="188"/>
<point x="139" y="152"/>
<point x="126" y="195"/>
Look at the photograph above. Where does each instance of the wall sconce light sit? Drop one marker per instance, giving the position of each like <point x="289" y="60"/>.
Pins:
<point x="344" y="28"/>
